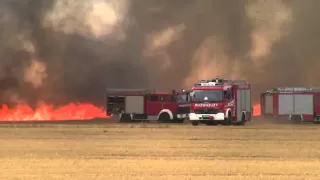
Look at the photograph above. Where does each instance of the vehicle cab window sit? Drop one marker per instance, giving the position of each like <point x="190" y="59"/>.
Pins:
<point x="228" y="94"/>
<point x="154" y="98"/>
<point x="172" y="98"/>
<point x="182" y="98"/>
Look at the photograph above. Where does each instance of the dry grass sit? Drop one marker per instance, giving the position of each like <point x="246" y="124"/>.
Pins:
<point x="153" y="151"/>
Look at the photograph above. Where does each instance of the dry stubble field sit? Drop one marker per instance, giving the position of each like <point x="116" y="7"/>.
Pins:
<point x="159" y="151"/>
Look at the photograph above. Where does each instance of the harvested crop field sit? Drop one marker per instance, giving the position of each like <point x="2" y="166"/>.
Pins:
<point x="159" y="151"/>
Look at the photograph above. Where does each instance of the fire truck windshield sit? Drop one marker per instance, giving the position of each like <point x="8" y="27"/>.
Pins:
<point x="206" y="95"/>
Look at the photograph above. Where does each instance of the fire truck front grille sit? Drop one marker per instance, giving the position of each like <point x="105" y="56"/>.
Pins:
<point x="206" y="111"/>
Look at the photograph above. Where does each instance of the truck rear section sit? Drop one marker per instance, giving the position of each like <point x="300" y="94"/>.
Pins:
<point x="244" y="104"/>
<point x="126" y="104"/>
<point x="129" y="105"/>
<point x="295" y="104"/>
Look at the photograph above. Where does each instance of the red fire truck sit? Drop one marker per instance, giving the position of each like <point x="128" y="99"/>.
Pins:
<point x="217" y="101"/>
<point x="291" y="103"/>
<point x="129" y="105"/>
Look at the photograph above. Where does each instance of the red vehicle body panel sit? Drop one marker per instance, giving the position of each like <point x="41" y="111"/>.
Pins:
<point x="275" y="97"/>
<point x="154" y="107"/>
<point x="153" y="102"/>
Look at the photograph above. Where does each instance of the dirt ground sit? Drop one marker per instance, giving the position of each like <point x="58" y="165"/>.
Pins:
<point x="259" y="150"/>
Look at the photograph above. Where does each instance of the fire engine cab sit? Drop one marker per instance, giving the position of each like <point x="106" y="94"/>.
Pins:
<point x="217" y="101"/>
<point x="129" y="105"/>
<point x="291" y="103"/>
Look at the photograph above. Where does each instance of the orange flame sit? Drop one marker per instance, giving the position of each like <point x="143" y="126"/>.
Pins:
<point x="256" y="110"/>
<point x="45" y="112"/>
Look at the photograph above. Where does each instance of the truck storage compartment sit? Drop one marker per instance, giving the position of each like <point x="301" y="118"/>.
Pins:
<point x="134" y="104"/>
<point x="295" y="104"/>
<point x="303" y="104"/>
<point x="268" y="104"/>
<point x="115" y="104"/>
<point x="125" y="100"/>
<point x="286" y="104"/>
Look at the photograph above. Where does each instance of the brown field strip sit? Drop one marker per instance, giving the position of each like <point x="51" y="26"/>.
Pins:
<point x="159" y="151"/>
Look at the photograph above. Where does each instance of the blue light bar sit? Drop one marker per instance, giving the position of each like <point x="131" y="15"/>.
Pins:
<point x="196" y="85"/>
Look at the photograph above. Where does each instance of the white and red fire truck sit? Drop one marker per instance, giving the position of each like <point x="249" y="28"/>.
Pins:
<point x="291" y="103"/>
<point x="217" y="101"/>
<point x="129" y="105"/>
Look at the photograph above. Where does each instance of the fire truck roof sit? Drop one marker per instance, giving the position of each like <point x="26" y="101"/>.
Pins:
<point x="218" y="83"/>
<point x="209" y="87"/>
<point x="292" y="90"/>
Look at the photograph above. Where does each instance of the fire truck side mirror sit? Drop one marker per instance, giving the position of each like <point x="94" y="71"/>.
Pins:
<point x="187" y="96"/>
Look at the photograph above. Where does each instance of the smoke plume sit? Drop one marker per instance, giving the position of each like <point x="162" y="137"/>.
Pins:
<point x="55" y="51"/>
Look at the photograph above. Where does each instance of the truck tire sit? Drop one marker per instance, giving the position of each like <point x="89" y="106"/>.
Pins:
<point x="316" y="119"/>
<point x="228" y="120"/>
<point x="243" y="120"/>
<point x="125" y="118"/>
<point x="164" y="118"/>
<point x="296" y="119"/>
<point x="195" y="123"/>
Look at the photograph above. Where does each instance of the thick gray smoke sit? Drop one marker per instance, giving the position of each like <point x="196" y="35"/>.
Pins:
<point x="55" y="51"/>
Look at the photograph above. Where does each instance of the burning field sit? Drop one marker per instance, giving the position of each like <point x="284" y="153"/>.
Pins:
<point x="23" y="113"/>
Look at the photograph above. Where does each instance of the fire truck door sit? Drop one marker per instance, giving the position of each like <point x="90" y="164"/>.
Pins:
<point x="317" y="104"/>
<point x="154" y="105"/>
<point x="182" y="104"/>
<point x="169" y="103"/>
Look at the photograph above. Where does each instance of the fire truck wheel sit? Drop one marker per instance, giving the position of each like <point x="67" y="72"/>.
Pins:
<point x="195" y="123"/>
<point x="296" y="119"/>
<point x="243" y="120"/>
<point x="164" y="117"/>
<point x="228" y="120"/>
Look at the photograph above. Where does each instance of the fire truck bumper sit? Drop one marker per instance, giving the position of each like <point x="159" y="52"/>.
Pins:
<point x="206" y="117"/>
